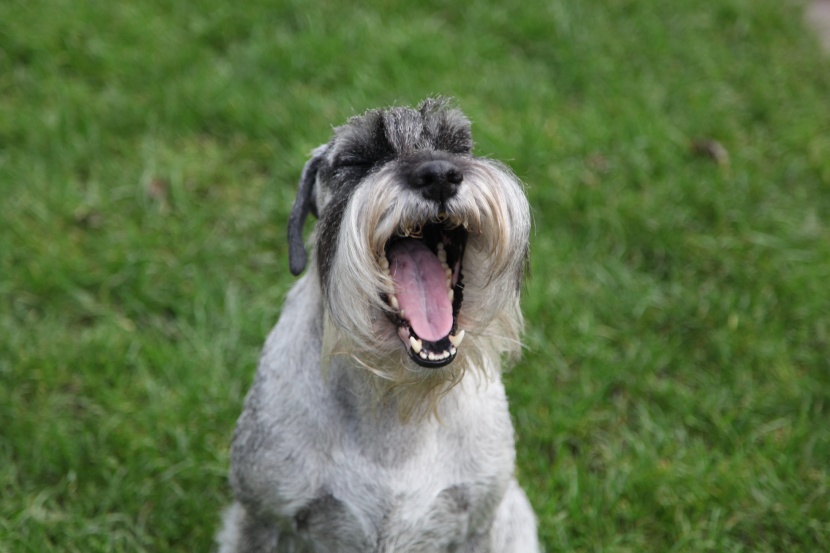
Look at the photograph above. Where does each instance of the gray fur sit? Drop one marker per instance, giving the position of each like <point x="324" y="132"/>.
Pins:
<point x="345" y="444"/>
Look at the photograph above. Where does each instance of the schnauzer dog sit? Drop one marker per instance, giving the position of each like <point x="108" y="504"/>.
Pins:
<point x="378" y="421"/>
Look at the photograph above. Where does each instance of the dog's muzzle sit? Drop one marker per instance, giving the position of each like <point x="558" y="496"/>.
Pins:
<point x="424" y="261"/>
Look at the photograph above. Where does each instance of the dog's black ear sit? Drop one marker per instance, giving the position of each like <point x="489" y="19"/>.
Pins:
<point x="303" y="204"/>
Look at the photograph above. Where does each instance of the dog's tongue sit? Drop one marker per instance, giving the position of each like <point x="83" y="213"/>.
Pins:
<point x="421" y="288"/>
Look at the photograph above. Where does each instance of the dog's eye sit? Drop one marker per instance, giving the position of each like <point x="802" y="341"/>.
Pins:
<point x="352" y="162"/>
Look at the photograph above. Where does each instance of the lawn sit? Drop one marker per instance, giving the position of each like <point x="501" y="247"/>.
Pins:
<point x="674" y="395"/>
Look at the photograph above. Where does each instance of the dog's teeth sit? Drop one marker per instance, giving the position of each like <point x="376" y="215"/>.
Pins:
<point x="384" y="263"/>
<point x="431" y="356"/>
<point x="402" y="313"/>
<point x="393" y="301"/>
<point x="456" y="340"/>
<point x="453" y="350"/>
<point x="416" y="344"/>
<point x="423" y="354"/>
<point x="451" y="294"/>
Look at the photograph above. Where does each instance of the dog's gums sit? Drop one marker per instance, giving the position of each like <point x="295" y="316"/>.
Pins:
<point x="425" y="266"/>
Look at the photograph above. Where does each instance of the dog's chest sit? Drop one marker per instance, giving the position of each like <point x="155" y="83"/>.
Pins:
<point x="401" y="523"/>
<point x="422" y="487"/>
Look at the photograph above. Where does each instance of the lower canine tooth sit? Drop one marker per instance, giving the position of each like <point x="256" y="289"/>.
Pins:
<point x="451" y="294"/>
<point x="416" y="344"/>
<point x="393" y="301"/>
<point x="456" y="340"/>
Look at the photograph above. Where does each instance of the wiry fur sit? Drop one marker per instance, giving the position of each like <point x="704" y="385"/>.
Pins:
<point x="336" y="449"/>
<point x="493" y="208"/>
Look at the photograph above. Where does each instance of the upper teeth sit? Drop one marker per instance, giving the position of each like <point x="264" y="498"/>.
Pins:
<point x="441" y="253"/>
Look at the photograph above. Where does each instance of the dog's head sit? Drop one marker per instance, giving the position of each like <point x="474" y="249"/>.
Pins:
<point x="419" y="243"/>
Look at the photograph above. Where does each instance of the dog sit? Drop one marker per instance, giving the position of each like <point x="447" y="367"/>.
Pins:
<point x="377" y="421"/>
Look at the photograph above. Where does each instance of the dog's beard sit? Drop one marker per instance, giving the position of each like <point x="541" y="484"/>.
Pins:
<point x="471" y="289"/>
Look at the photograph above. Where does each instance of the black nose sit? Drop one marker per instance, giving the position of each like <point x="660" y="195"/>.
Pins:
<point x="437" y="179"/>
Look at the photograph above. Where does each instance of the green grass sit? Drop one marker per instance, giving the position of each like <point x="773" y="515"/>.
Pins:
<point x="675" y="391"/>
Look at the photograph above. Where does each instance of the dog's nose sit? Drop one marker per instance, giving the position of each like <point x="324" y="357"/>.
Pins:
<point x="437" y="179"/>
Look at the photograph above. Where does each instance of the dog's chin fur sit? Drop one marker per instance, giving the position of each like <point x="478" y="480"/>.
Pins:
<point x="356" y="325"/>
<point x="392" y="376"/>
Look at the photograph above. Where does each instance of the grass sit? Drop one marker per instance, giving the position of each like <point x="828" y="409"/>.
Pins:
<point x="675" y="391"/>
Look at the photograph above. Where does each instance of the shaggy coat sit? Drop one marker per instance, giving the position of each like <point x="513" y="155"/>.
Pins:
<point x="362" y="432"/>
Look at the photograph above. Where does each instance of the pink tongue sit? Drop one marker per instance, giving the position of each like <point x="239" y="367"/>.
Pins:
<point x="421" y="288"/>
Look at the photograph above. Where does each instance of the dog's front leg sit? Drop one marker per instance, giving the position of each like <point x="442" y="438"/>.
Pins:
<point x="514" y="529"/>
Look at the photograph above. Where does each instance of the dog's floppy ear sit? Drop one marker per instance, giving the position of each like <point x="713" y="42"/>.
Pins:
<point x="304" y="203"/>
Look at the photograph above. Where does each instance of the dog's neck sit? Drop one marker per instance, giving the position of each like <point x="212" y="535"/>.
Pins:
<point x="368" y="396"/>
<point x="391" y="424"/>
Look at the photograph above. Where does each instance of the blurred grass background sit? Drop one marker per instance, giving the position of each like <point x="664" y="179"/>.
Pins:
<point x="675" y="391"/>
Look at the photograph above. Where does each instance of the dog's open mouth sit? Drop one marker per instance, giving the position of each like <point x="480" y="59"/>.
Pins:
<point x="425" y="266"/>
